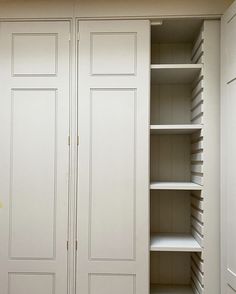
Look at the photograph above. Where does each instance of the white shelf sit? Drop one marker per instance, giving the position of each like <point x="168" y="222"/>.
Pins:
<point x="177" y="66"/>
<point x="175" y="186"/>
<point x="170" y="289"/>
<point x="174" y="242"/>
<point x="175" y="73"/>
<point x="175" y="129"/>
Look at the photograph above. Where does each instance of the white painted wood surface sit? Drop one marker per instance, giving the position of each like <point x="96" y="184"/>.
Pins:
<point x="211" y="156"/>
<point x="170" y="158"/>
<point x="174" y="73"/>
<point x="174" y="186"/>
<point x="170" y="211"/>
<point x="34" y="128"/>
<point x="108" y="9"/>
<point x="171" y="104"/>
<point x="171" y="53"/>
<point x="228" y="140"/>
<point x="197" y="157"/>
<point x="165" y="268"/>
<point x="176" y="31"/>
<point x="174" y="242"/>
<point x="197" y="102"/>
<point x="113" y="180"/>
<point x="175" y="129"/>
<point x="177" y="66"/>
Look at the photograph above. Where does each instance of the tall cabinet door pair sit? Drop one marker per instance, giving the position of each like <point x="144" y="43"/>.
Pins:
<point x="113" y="124"/>
<point x="36" y="99"/>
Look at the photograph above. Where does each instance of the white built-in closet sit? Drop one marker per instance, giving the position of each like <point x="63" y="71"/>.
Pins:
<point x="110" y="156"/>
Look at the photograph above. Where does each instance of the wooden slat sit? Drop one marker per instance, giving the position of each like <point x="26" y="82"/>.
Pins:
<point x="197" y="283"/>
<point x="198" y="179"/>
<point x="198" y="264"/>
<point x="197" y="168"/>
<point x="197" y="99"/>
<point x="201" y="59"/>
<point x="197" y="225"/>
<point x="197" y="120"/>
<point x="197" y="237"/>
<point x="197" y="156"/>
<point x="198" y="42"/>
<point x="195" y="291"/>
<point x="197" y="146"/>
<point x="197" y="85"/>
<point x="196" y="137"/>
<point x="197" y="272"/>
<point x="197" y="202"/>
<point x="231" y="278"/>
<point x="197" y="214"/>
<point x="197" y="110"/>
<point x="198" y="54"/>
<point x="198" y="261"/>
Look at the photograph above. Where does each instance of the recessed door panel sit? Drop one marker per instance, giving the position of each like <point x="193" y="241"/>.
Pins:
<point x="107" y="49"/>
<point x="34" y="54"/>
<point x="33" y="174"/>
<point x="29" y="283"/>
<point x="116" y="284"/>
<point x="112" y="181"/>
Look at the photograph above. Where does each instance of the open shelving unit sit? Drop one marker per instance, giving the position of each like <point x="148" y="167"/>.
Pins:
<point x="176" y="155"/>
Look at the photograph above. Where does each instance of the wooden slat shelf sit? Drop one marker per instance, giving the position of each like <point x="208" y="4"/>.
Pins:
<point x="175" y="73"/>
<point x="174" y="243"/>
<point x="175" y="186"/>
<point x="175" y="129"/>
<point x="177" y="66"/>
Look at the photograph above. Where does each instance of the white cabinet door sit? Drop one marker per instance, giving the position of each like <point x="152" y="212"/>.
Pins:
<point x="228" y="144"/>
<point x="113" y="171"/>
<point x="34" y="125"/>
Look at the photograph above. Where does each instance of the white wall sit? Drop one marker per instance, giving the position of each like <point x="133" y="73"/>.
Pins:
<point x="151" y="7"/>
<point x="109" y="8"/>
